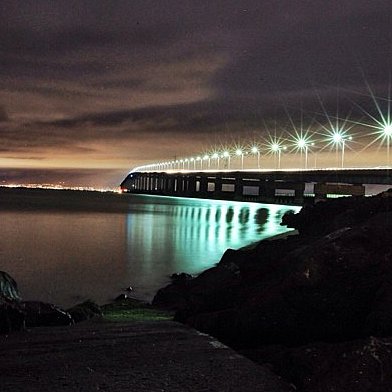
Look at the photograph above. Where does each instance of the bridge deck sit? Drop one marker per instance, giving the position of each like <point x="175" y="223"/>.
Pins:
<point x="277" y="186"/>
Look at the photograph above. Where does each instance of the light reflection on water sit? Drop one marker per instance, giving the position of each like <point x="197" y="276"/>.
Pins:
<point x="190" y="235"/>
<point x="66" y="257"/>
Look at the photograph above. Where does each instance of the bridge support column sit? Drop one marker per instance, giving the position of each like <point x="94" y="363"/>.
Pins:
<point x="160" y="183"/>
<point x="170" y="185"/>
<point x="299" y="192"/>
<point x="218" y="187"/>
<point x="238" y="188"/>
<point x="191" y="185"/>
<point x="167" y="185"/>
<point x="180" y="184"/>
<point x="267" y="191"/>
<point x="203" y="185"/>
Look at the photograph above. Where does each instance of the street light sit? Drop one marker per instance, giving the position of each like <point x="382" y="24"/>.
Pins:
<point x="255" y="150"/>
<point x="215" y="155"/>
<point x="302" y="144"/>
<point x="240" y="153"/>
<point x="194" y="163"/>
<point x="226" y="155"/>
<point x="276" y="148"/>
<point x="207" y="157"/>
<point x="201" y="162"/>
<point x="387" y="134"/>
<point x="339" y="138"/>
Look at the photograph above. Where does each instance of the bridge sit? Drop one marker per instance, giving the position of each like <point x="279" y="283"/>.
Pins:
<point x="296" y="186"/>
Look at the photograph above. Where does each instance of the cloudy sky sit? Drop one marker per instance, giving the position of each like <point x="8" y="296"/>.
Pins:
<point x="89" y="89"/>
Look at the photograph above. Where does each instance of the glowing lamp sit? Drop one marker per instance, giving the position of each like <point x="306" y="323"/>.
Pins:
<point x="337" y="137"/>
<point x="275" y="147"/>
<point x="301" y="143"/>
<point x="388" y="130"/>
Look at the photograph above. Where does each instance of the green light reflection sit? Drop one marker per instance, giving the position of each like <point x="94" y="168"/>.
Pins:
<point x="167" y="235"/>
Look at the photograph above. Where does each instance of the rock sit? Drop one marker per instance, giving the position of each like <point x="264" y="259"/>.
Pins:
<point x="316" y="307"/>
<point x="41" y="314"/>
<point x="337" y="213"/>
<point x="363" y="365"/>
<point x="205" y="292"/>
<point x="11" y="314"/>
<point x="12" y="317"/>
<point x="121" y="297"/>
<point x="180" y="277"/>
<point x="84" y="311"/>
<point x="328" y="287"/>
<point x="8" y="287"/>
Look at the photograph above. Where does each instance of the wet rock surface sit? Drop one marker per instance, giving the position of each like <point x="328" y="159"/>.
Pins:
<point x="331" y="284"/>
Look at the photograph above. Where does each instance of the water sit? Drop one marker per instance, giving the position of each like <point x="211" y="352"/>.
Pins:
<point x="67" y="256"/>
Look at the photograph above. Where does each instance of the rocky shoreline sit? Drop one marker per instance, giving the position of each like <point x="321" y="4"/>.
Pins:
<point x="315" y="307"/>
<point x="18" y="315"/>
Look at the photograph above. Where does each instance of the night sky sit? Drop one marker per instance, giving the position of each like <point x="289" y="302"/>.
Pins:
<point x="107" y="85"/>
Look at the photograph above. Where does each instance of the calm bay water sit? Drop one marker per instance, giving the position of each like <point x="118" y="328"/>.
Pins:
<point x="67" y="256"/>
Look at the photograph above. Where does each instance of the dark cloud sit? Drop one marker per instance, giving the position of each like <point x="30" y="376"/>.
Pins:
<point x="323" y="47"/>
<point x="102" y="79"/>
<point x="3" y="114"/>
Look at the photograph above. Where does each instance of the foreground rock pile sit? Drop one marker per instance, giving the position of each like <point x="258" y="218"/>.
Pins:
<point x="316" y="307"/>
<point x="16" y="314"/>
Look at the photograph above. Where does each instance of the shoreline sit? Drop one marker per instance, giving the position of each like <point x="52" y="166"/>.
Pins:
<point x="276" y="237"/>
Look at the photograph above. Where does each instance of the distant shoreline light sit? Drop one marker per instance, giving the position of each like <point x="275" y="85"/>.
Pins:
<point x="61" y="187"/>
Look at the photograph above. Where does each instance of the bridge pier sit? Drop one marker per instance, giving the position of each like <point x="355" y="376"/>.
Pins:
<point x="238" y="189"/>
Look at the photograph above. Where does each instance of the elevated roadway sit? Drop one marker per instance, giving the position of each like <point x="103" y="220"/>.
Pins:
<point x="268" y="186"/>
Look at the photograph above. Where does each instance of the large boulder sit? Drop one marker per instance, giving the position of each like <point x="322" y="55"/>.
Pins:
<point x="325" y="217"/>
<point x="41" y="314"/>
<point x="11" y="314"/>
<point x="332" y="287"/>
<point x="85" y="311"/>
<point x="8" y="287"/>
<point x="363" y="365"/>
<point x="16" y="314"/>
<point x="211" y="290"/>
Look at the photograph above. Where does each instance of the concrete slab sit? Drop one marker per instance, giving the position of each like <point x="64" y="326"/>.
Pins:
<point x="134" y="356"/>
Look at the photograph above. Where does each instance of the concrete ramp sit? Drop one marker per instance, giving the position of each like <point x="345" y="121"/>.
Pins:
<point x="135" y="356"/>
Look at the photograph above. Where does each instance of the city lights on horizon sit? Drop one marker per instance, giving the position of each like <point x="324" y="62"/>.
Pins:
<point x="61" y="187"/>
